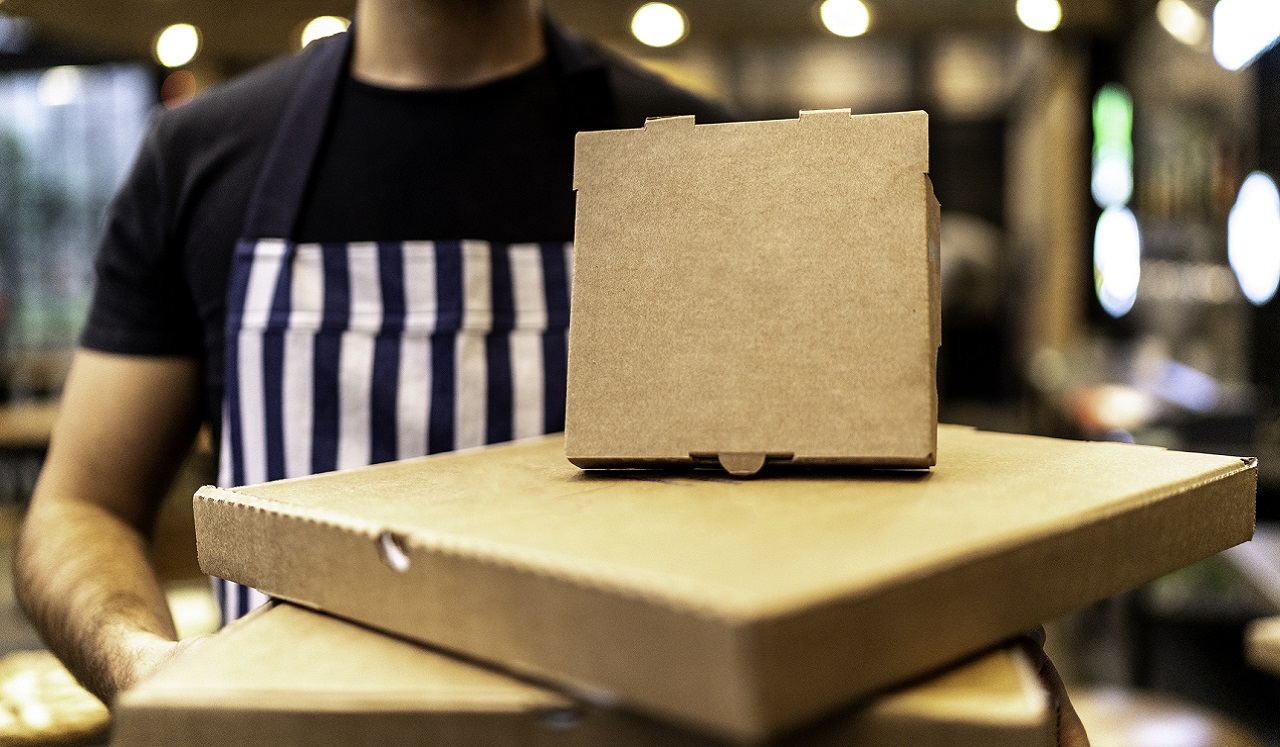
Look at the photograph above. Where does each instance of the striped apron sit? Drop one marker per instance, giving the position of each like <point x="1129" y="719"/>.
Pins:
<point x="347" y="354"/>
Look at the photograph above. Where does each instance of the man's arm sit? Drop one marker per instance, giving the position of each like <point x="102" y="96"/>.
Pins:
<point x="82" y="572"/>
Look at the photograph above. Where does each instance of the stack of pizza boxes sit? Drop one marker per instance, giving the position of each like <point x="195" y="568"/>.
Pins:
<point x="753" y="530"/>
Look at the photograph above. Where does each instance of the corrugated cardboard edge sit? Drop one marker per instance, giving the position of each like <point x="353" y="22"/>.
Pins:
<point x="703" y="460"/>
<point x="214" y="724"/>
<point x="684" y="646"/>
<point x="933" y="231"/>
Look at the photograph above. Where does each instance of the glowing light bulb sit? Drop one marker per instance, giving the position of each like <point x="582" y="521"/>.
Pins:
<point x="59" y="86"/>
<point x="1253" y="238"/>
<point x="847" y="18"/>
<point x="659" y="24"/>
<point x="1112" y="182"/>
<point x="1117" y="260"/>
<point x="1040" y="15"/>
<point x="1182" y="22"/>
<point x="177" y="45"/>
<point x="1244" y="29"/>
<point x="322" y="26"/>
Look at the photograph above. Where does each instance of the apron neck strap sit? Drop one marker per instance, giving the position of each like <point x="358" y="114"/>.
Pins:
<point x="282" y="183"/>
<point x="585" y="76"/>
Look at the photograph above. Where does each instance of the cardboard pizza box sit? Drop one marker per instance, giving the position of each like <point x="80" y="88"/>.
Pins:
<point x="289" y="677"/>
<point x="740" y="608"/>
<point x="755" y="292"/>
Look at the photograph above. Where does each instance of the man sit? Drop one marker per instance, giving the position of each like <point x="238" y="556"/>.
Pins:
<point x="255" y="273"/>
<point x="356" y="254"/>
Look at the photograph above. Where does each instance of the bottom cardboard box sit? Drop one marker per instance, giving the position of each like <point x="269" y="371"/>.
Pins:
<point x="288" y="676"/>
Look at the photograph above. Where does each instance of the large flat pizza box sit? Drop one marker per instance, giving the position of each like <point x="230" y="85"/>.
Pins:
<point x="755" y="291"/>
<point x="288" y="677"/>
<point x="738" y="607"/>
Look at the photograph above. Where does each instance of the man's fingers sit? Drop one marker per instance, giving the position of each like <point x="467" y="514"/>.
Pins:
<point x="1071" y="731"/>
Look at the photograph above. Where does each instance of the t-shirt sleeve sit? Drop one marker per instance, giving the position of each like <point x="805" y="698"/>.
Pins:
<point x="142" y="301"/>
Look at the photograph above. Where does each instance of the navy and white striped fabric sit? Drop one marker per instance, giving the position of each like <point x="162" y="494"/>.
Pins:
<point x="343" y="355"/>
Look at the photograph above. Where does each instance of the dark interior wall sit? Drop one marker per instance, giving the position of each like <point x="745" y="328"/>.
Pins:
<point x="967" y="167"/>
<point x="1266" y="320"/>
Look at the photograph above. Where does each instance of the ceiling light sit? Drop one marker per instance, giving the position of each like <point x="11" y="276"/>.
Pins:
<point x="322" y="26"/>
<point x="1117" y="260"/>
<point x="1040" y="15"/>
<point x="1253" y="238"/>
<point x="177" y="45"/>
<point x="846" y="18"/>
<point x="59" y="86"/>
<point x="1112" y="179"/>
<point x="1244" y="29"/>
<point x="659" y="24"/>
<point x="1182" y="22"/>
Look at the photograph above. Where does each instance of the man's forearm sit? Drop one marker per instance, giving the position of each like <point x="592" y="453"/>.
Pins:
<point x="82" y="572"/>
<point x="83" y="577"/>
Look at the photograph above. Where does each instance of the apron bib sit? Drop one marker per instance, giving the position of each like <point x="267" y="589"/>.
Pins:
<point x="340" y="355"/>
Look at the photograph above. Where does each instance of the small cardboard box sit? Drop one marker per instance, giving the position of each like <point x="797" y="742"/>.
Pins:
<point x="755" y="291"/>
<point x="288" y="677"/>
<point x="740" y="608"/>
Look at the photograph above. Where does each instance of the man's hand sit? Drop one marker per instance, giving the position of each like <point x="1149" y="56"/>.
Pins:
<point x="82" y="572"/>
<point x="153" y="652"/>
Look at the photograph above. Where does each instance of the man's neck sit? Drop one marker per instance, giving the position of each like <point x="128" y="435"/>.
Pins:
<point x="445" y="43"/>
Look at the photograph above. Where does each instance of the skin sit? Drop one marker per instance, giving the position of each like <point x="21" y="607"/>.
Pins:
<point x="81" y="572"/>
<point x="445" y="43"/>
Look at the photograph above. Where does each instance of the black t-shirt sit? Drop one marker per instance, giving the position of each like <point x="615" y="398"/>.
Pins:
<point x="491" y="163"/>
<point x="461" y="166"/>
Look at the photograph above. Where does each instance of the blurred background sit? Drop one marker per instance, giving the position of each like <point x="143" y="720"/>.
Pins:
<point x="1110" y="240"/>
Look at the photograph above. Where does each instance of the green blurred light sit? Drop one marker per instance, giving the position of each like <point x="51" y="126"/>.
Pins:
<point x="1113" y="120"/>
